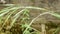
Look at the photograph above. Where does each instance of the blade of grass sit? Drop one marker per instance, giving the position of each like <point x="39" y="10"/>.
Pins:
<point x="34" y="20"/>
<point x="8" y="11"/>
<point x="16" y="16"/>
<point x="5" y="9"/>
<point x="55" y="14"/>
<point x="8" y="17"/>
<point x="30" y="7"/>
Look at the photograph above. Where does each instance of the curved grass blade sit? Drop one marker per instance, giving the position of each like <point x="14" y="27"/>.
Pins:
<point x="5" y="9"/>
<point x="8" y="11"/>
<point x="16" y="16"/>
<point x="56" y="15"/>
<point x="8" y="18"/>
<point x="34" y="20"/>
<point x="10" y="14"/>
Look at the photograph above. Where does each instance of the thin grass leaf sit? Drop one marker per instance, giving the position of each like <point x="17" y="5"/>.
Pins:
<point x="5" y="9"/>
<point x="55" y="14"/>
<point x="30" y="7"/>
<point x="8" y="18"/>
<point x="16" y="16"/>
<point x="34" y="20"/>
<point x="11" y="14"/>
<point x="8" y="11"/>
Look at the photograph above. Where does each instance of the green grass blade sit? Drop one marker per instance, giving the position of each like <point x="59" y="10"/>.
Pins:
<point x="8" y="18"/>
<point x="8" y="11"/>
<point x="5" y="9"/>
<point x="16" y="16"/>
<point x="55" y="14"/>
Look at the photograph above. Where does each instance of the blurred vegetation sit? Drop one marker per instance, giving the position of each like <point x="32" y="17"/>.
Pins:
<point x="17" y="18"/>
